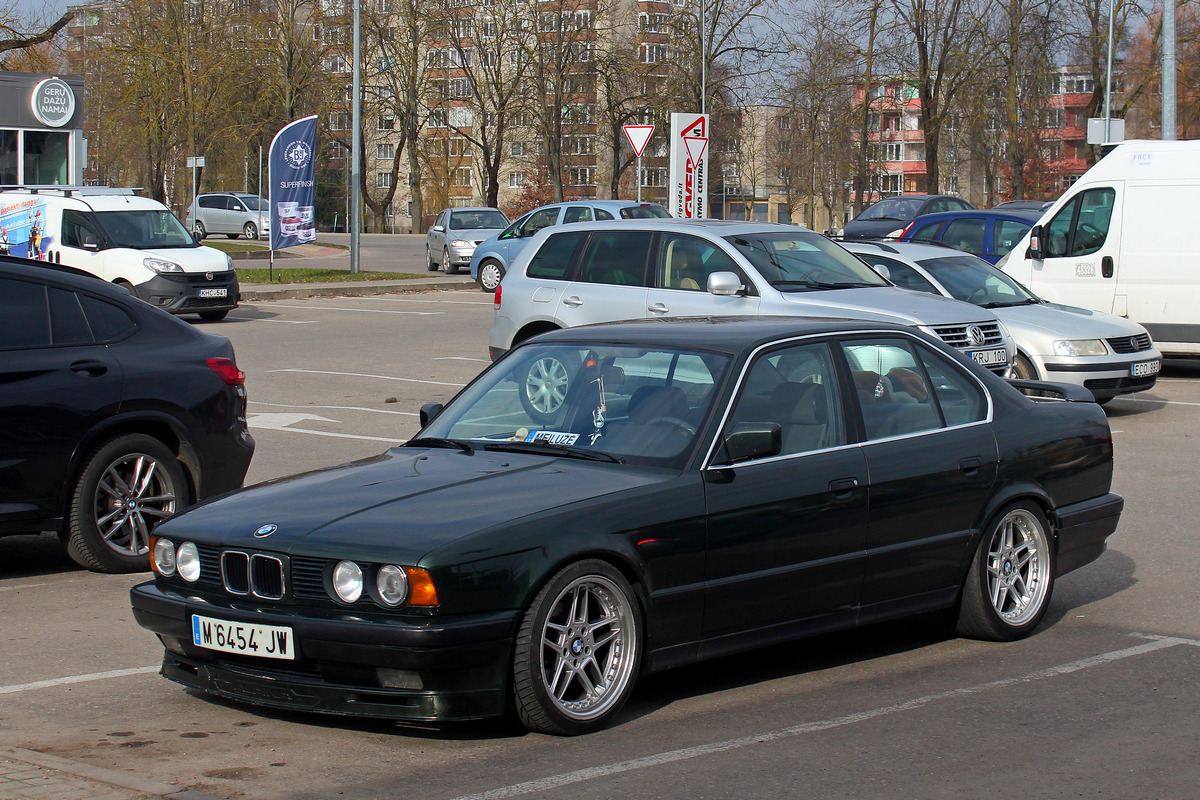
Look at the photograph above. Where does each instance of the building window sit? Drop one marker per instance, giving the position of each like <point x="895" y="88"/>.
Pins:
<point x="385" y="152"/>
<point x="579" y="145"/>
<point x="785" y="123"/>
<point x="437" y="117"/>
<point x="458" y="88"/>
<point x="517" y="149"/>
<point x="583" y="176"/>
<point x="461" y="177"/>
<point x="951" y="184"/>
<point x="517" y="180"/>
<point x="654" y="53"/>
<point x="655" y="177"/>
<point x="383" y="180"/>
<point x="654" y="23"/>
<point x="460" y="202"/>
<point x="337" y="64"/>
<point x="458" y="147"/>
<point x="339" y="121"/>
<point x="385" y="123"/>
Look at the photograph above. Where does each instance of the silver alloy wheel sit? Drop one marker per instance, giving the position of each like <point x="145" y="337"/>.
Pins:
<point x="1018" y="567"/>
<point x="588" y="648"/>
<point x="446" y="266"/>
<point x="489" y="275"/>
<point x="132" y="496"/>
<point x="546" y="385"/>
<point x="250" y="231"/>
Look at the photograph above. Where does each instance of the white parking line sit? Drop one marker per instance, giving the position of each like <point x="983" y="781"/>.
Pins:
<point x="603" y="771"/>
<point x="91" y="676"/>
<point x="366" y="375"/>
<point x="460" y="358"/>
<point x="488" y="302"/>
<point x="336" y="408"/>
<point x="1160" y="402"/>
<point x="284" y="321"/>
<point x="360" y="310"/>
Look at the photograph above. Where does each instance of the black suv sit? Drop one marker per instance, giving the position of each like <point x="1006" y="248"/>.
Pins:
<point x="113" y="414"/>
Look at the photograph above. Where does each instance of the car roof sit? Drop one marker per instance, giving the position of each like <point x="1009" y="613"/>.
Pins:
<point x="61" y="274"/>
<point x="471" y="208"/>
<point x="600" y="203"/>
<point x="1016" y="215"/>
<point x="714" y="227"/>
<point x="911" y="251"/>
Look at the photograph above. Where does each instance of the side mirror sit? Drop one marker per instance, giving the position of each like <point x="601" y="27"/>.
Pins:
<point x="724" y="284"/>
<point x="883" y="271"/>
<point x="90" y="242"/>
<point x="196" y="237"/>
<point x="439" y="228"/>
<point x="750" y="440"/>
<point x="1035" y="239"/>
<point x="429" y="413"/>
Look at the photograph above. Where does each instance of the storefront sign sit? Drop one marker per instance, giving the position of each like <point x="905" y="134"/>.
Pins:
<point x="689" y="166"/>
<point x="53" y="102"/>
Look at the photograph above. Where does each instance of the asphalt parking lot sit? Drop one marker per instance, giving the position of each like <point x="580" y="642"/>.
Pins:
<point x="1099" y="703"/>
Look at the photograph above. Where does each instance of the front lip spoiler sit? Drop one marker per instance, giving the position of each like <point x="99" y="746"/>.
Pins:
<point x="1121" y="366"/>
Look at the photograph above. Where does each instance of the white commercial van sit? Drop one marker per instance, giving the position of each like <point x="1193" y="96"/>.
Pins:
<point x="132" y="241"/>
<point x="1125" y="238"/>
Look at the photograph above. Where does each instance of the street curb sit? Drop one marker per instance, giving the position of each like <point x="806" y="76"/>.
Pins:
<point x="256" y="292"/>
<point x="102" y="775"/>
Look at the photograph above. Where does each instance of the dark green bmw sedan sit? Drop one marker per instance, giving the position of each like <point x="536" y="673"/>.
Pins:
<point x="613" y="500"/>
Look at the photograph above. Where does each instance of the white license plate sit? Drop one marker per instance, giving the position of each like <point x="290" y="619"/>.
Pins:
<point x="1145" y="368"/>
<point x="264" y="641"/>
<point x="222" y="292"/>
<point x="989" y="358"/>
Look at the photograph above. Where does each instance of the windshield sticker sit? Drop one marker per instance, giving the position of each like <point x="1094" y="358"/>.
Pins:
<point x="552" y="437"/>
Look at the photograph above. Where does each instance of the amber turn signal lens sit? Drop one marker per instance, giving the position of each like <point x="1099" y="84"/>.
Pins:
<point x="421" y="589"/>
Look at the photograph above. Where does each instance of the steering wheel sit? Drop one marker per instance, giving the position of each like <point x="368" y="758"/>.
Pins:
<point x="978" y="295"/>
<point x="674" y="422"/>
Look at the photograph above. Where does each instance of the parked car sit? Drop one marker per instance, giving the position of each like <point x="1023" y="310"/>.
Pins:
<point x="889" y="216"/>
<point x="1106" y="354"/>
<point x="231" y="213"/>
<point x="492" y="258"/>
<point x="454" y="235"/>
<point x="608" y="271"/>
<point x="708" y="486"/>
<point x="987" y="234"/>
<point x="1023" y="205"/>
<point x="114" y="415"/>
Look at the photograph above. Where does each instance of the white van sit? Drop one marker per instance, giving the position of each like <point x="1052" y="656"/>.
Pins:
<point x="132" y="241"/>
<point x="1125" y="239"/>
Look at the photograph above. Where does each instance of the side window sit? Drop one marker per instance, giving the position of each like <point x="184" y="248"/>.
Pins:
<point x="685" y="262"/>
<point x="24" y="314"/>
<point x="965" y="235"/>
<point x="616" y="257"/>
<point x="1055" y="231"/>
<point x="552" y="260"/>
<point x="443" y="220"/>
<point x="1008" y="234"/>
<point x="795" y="388"/>
<point x="927" y="233"/>
<point x="958" y="205"/>
<point x="76" y="228"/>
<point x="577" y="214"/>
<point x="1095" y="214"/>
<point x="67" y="323"/>
<point x="602" y="214"/>
<point x="936" y="207"/>
<point x="960" y="398"/>
<point x="210" y="202"/>
<point x="538" y="220"/>
<point x="902" y="274"/>
<point x="892" y="389"/>
<point x="108" y="322"/>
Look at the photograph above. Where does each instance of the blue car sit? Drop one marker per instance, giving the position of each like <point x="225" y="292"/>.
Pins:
<point x="987" y="234"/>
<point x="492" y="257"/>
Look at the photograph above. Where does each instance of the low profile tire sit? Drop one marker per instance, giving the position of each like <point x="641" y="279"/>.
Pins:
<point x="1023" y="369"/>
<point x="490" y="275"/>
<point x="126" y="487"/>
<point x="214" y="316"/>
<point x="447" y="267"/>
<point x="201" y="231"/>
<point x="578" y="651"/>
<point x="1011" y="577"/>
<point x="250" y="231"/>
<point x="430" y="264"/>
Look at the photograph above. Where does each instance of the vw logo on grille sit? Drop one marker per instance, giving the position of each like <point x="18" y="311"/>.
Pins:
<point x="977" y="335"/>
<point x="265" y="531"/>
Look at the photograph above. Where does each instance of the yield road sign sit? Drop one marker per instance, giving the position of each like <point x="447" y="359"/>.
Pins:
<point x="638" y="136"/>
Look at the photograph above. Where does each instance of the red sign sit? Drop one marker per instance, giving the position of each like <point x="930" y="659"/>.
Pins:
<point x="638" y="136"/>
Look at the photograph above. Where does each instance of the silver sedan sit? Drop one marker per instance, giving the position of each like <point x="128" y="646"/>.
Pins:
<point x="1107" y="354"/>
<point x="451" y="240"/>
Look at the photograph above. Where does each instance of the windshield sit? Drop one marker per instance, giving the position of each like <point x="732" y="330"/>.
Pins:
<point x="639" y="405"/>
<point x="893" y="208"/>
<point x="145" y="230"/>
<point x="976" y="281"/>
<point x="645" y="211"/>
<point x="802" y="261"/>
<point x="475" y="220"/>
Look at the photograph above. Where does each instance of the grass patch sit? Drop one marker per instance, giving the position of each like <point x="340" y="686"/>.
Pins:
<point x="314" y="275"/>
<point x="231" y="246"/>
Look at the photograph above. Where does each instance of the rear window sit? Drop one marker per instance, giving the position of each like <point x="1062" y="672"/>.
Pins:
<point x="645" y="211"/>
<point x="24" y="314"/>
<point x="109" y="323"/>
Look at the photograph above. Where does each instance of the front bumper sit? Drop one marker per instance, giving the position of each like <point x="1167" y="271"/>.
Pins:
<point x="1083" y="529"/>
<point x="1105" y="376"/>
<point x="182" y="293"/>
<point x="369" y="665"/>
<point x="461" y="256"/>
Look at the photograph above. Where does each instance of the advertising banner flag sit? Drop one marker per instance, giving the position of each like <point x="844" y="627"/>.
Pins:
<point x="292" y="167"/>
<point x="689" y="166"/>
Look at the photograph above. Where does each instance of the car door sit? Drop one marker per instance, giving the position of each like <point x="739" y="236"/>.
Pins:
<point x="932" y="460"/>
<point x="610" y="281"/>
<point x="1006" y="234"/>
<point x="786" y="532"/>
<point x="682" y="264"/>
<point x="57" y="381"/>
<point x="1079" y="248"/>
<point x="967" y="234"/>
<point x="437" y="235"/>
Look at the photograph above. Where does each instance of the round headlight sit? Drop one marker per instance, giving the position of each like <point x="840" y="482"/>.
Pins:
<point x="187" y="561"/>
<point x="348" y="581"/>
<point x="164" y="557"/>
<point x="392" y="584"/>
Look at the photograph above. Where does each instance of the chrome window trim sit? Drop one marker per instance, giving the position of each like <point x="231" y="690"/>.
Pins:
<point x="741" y="380"/>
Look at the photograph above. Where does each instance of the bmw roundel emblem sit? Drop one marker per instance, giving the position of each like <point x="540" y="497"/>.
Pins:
<point x="265" y="531"/>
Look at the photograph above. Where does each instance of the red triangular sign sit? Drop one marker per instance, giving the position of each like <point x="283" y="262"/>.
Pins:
<point x="695" y="148"/>
<point x="638" y="136"/>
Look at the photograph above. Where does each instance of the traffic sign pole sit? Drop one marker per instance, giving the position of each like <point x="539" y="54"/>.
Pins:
<point x="638" y="135"/>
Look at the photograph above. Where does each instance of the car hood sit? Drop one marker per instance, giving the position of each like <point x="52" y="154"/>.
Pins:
<point x="1050" y="321"/>
<point x="887" y="304"/>
<point x="473" y="234"/>
<point x="400" y="505"/>
<point x="192" y="259"/>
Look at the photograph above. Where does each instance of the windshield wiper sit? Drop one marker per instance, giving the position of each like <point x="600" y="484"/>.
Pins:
<point x="825" y="285"/>
<point x="998" y="304"/>
<point x="535" y="448"/>
<point x="434" y="441"/>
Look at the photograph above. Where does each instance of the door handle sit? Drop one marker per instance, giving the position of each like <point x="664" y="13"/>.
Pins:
<point x="92" y="368"/>
<point x="572" y="301"/>
<point x="659" y="308"/>
<point x="1106" y="266"/>
<point x="842" y="488"/>
<point x="971" y="465"/>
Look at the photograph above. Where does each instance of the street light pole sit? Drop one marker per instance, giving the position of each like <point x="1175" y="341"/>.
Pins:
<point x="355" y="150"/>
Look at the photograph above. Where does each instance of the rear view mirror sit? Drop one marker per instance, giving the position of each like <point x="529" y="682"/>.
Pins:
<point x="1035" y="246"/>
<point x="90" y="242"/>
<point x="724" y="284"/>
<point x="429" y="413"/>
<point x="750" y="440"/>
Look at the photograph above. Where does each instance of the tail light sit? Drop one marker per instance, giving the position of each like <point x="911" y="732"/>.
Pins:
<point x="227" y="371"/>
<point x="907" y="228"/>
<point x="496" y="300"/>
